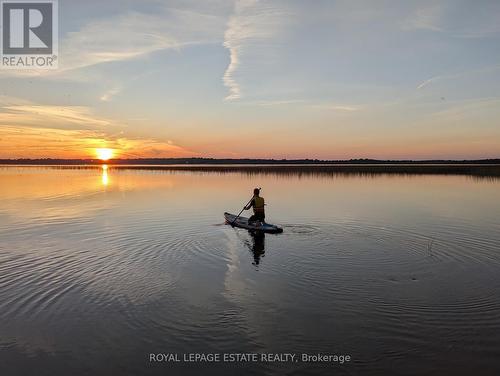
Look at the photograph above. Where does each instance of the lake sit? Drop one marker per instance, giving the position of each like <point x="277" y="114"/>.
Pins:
<point x="102" y="267"/>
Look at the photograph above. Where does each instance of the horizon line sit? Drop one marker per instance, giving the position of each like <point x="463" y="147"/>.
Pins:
<point x="239" y="160"/>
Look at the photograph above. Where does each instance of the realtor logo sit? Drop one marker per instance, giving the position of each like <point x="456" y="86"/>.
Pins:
<point x="29" y="34"/>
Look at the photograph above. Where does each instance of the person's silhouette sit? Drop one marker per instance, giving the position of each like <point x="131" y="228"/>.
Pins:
<point x="257" y="203"/>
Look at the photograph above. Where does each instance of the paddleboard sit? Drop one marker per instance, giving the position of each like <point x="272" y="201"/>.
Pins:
<point x="255" y="226"/>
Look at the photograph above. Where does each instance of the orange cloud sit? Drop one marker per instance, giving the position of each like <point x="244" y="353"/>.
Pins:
<point x="29" y="130"/>
<point x="35" y="142"/>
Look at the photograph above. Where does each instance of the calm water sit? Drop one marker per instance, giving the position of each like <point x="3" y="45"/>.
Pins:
<point x="100" y="268"/>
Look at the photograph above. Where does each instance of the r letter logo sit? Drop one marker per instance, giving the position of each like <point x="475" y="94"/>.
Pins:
<point x="29" y="34"/>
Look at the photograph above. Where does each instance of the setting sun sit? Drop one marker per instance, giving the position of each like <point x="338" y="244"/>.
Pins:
<point x="104" y="153"/>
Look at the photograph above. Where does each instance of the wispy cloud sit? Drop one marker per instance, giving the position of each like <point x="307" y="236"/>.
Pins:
<point x="131" y="35"/>
<point x="149" y="148"/>
<point x="337" y="107"/>
<point x="253" y="23"/>
<point x="110" y="94"/>
<point x="455" y="19"/>
<point x="457" y="75"/>
<point x="6" y="100"/>
<point x="117" y="88"/>
<point x="63" y="116"/>
<point x="121" y="38"/>
<point x="272" y="103"/>
<point x="135" y="34"/>
<point x="429" y="81"/>
<point x="425" y="18"/>
<point x="459" y="109"/>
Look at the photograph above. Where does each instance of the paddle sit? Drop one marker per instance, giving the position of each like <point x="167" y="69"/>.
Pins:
<point x="248" y="203"/>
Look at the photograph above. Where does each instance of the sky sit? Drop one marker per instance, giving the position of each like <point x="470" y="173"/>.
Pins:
<point x="262" y="79"/>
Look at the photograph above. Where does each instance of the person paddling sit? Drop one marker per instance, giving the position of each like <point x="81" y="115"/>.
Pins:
<point x="257" y="203"/>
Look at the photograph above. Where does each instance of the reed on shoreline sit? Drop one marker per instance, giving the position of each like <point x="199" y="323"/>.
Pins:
<point x="477" y="170"/>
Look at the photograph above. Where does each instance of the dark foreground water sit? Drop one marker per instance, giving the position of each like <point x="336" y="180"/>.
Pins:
<point x="101" y="268"/>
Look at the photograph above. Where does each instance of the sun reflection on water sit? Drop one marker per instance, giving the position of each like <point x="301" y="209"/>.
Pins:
<point x="104" y="177"/>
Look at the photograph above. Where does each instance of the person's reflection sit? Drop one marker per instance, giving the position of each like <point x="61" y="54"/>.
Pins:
<point x="258" y="246"/>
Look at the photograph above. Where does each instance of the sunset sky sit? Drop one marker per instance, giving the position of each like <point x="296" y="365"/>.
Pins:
<point x="279" y="79"/>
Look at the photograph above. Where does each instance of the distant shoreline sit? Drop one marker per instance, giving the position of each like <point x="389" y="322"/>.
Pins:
<point x="244" y="161"/>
